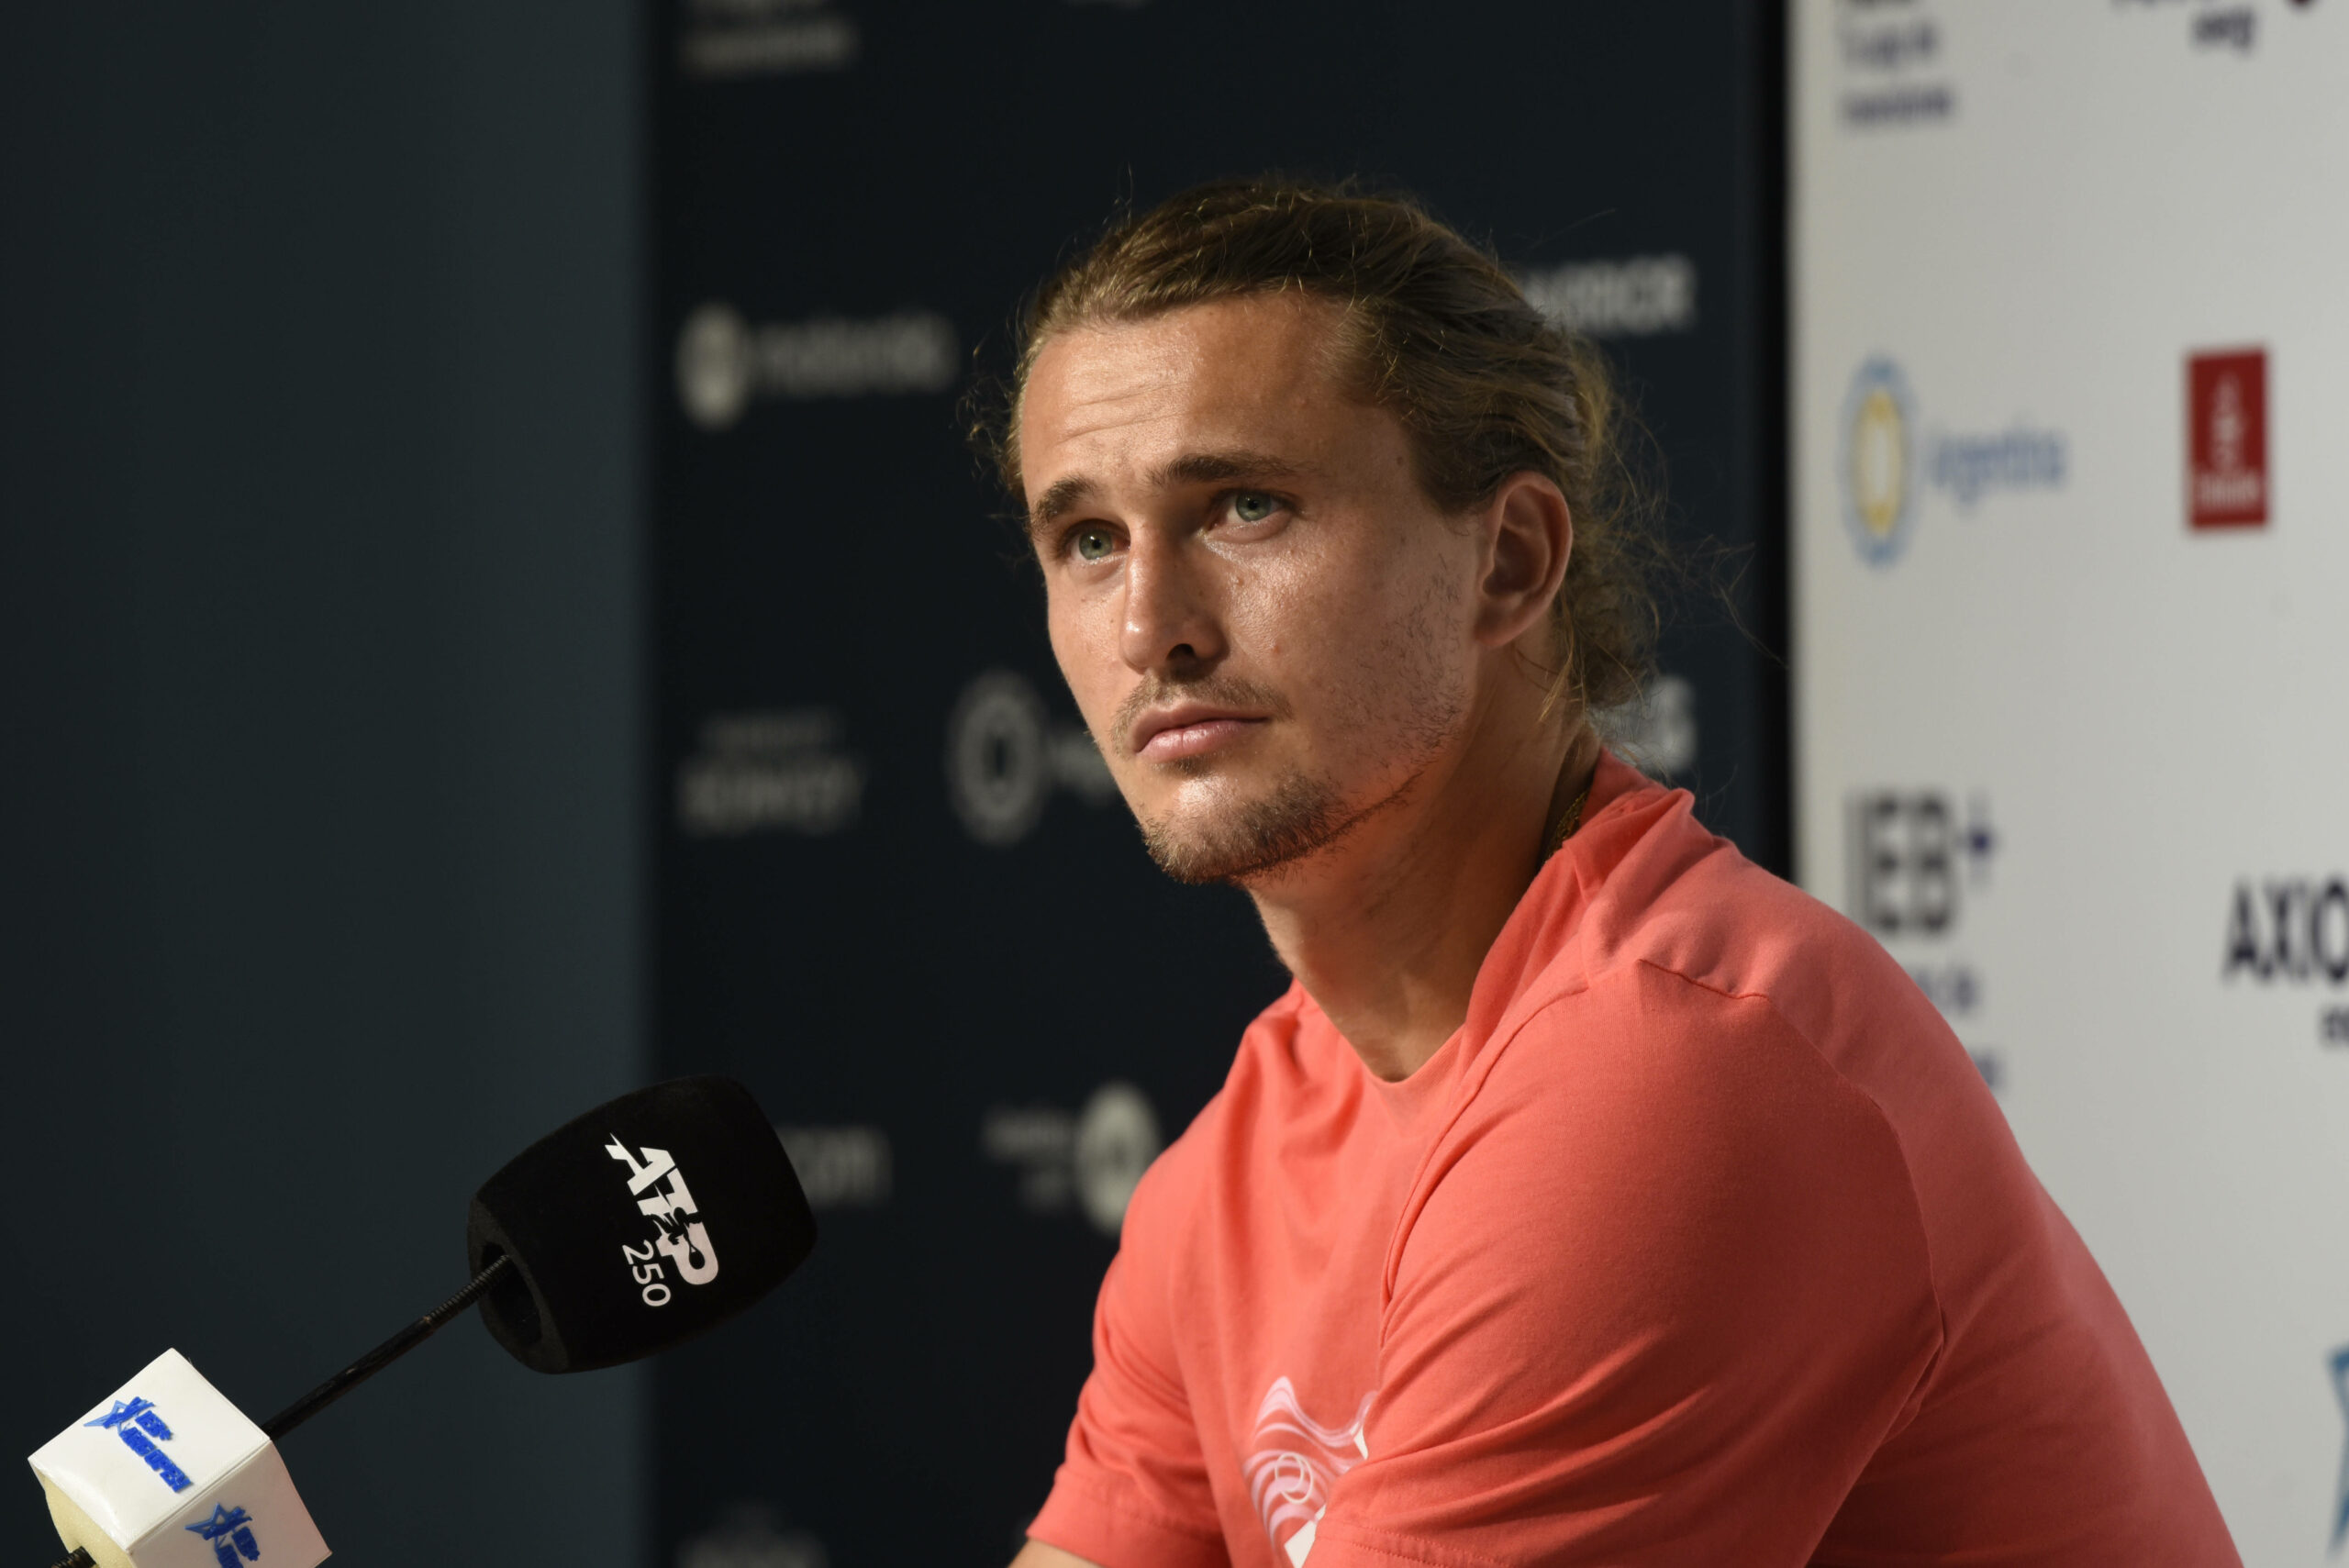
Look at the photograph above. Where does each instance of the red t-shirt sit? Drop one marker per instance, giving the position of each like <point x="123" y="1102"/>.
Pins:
<point x="1701" y="1243"/>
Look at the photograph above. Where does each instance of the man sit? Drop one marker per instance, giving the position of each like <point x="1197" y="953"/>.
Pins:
<point x="1592" y="1197"/>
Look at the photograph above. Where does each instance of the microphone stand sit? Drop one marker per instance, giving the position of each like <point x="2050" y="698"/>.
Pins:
<point x="358" y="1372"/>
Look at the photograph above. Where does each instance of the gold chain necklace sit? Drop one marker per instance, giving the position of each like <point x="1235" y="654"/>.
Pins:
<point x="1563" y="828"/>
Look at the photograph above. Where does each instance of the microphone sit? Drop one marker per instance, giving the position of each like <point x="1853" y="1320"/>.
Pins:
<point x="637" y="1226"/>
<point x="649" y="1220"/>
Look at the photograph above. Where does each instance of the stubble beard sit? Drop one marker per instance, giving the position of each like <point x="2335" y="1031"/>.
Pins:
<point x="1235" y="842"/>
<point x="1250" y="841"/>
<point x="1255" y="842"/>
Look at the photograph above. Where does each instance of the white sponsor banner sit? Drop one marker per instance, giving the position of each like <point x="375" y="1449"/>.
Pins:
<point x="2071" y="532"/>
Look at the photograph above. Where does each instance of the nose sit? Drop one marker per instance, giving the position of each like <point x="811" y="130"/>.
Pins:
<point x="1172" y="625"/>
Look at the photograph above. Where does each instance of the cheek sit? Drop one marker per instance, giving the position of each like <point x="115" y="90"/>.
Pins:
<point x="1300" y="608"/>
<point x="1083" y="633"/>
<point x="1352" y="625"/>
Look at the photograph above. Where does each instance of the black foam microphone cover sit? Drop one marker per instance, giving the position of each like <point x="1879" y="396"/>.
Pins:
<point x="639" y="1225"/>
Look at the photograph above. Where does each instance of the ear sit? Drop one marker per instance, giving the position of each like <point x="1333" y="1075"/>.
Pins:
<point x="1529" y="534"/>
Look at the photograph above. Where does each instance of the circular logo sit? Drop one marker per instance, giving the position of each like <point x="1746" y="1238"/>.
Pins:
<point x="998" y="770"/>
<point x="714" y="366"/>
<point x="1117" y="1137"/>
<point x="1879" y="479"/>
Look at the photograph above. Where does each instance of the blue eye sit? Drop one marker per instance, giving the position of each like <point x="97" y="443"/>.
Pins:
<point x="1253" y="506"/>
<point x="1092" y="542"/>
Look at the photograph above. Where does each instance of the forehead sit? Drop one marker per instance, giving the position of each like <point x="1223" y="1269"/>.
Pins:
<point x="1262" y="373"/>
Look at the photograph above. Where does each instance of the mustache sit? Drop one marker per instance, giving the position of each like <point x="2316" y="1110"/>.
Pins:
<point x="1216" y="690"/>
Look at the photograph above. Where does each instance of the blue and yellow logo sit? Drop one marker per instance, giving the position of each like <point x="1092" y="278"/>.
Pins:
<point x="1879" y="465"/>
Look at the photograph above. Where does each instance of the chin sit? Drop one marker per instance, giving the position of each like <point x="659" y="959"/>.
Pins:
<point x="1245" y="840"/>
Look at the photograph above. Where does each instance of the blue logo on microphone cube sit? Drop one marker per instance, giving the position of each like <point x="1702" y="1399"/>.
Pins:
<point x="167" y="1473"/>
<point x="232" y="1535"/>
<point x="141" y="1429"/>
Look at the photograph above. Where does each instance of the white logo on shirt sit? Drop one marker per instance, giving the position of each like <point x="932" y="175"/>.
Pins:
<point x="1296" y="1461"/>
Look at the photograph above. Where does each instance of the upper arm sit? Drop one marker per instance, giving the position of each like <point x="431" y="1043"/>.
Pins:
<point x="1661" y="1298"/>
<point x="1134" y="1490"/>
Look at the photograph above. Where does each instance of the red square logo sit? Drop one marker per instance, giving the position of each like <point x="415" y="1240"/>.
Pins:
<point x="2226" y="439"/>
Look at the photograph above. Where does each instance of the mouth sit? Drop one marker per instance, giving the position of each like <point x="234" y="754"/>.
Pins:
<point x="1177" y="734"/>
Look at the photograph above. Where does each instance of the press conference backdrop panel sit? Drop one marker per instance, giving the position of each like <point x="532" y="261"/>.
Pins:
<point x="896" y="890"/>
<point x="2072" y="356"/>
<point x="319" y="890"/>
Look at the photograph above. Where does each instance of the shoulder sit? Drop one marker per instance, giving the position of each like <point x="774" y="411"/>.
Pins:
<point x="1699" y="1097"/>
<point x="1675" y="897"/>
<point x="1653" y="894"/>
<point x="1653" y="1156"/>
<point x="1717" y="994"/>
<point x="1691" y="1029"/>
<point x="1697" y="1030"/>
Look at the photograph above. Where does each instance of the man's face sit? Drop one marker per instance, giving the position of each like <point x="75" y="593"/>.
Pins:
<point x="1267" y="625"/>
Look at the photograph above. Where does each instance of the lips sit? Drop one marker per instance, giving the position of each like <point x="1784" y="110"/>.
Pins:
<point x="1178" y="733"/>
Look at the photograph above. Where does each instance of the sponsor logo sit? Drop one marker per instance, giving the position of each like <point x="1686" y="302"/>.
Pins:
<point x="724" y="361"/>
<point x="2232" y="28"/>
<point x="2209" y="25"/>
<point x="229" y="1533"/>
<point x="1294" y="1463"/>
<point x="2295" y="931"/>
<point x="679" y="1240"/>
<point x="1005" y="757"/>
<point x="2226" y="439"/>
<point x="1913" y="859"/>
<point x="840" y="1167"/>
<point x="2289" y="928"/>
<point x="1912" y="854"/>
<point x="2340" y="1366"/>
<point x="730" y="40"/>
<point x="1093" y="1159"/>
<point x="748" y="1535"/>
<point x="1880" y="471"/>
<point x="140" y="1427"/>
<point x="2021" y="458"/>
<point x="1641" y="297"/>
<point x="1893" y="72"/>
<point x="769" y="771"/>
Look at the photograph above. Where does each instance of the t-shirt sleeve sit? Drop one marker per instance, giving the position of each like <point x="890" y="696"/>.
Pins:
<point x="1660" y="1293"/>
<point x="1132" y="1491"/>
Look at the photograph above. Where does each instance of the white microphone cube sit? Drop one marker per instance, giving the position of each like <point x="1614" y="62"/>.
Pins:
<point x="169" y="1474"/>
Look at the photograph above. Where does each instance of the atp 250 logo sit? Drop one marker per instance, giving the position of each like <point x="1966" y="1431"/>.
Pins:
<point x="678" y="1238"/>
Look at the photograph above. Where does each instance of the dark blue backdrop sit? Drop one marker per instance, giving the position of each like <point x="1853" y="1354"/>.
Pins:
<point x="892" y="892"/>
<point x="320" y="614"/>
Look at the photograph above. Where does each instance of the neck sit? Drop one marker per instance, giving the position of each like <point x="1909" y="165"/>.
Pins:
<point x="1386" y="929"/>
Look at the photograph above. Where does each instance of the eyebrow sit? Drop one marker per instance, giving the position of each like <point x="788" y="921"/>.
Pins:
<point x="1065" y="496"/>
